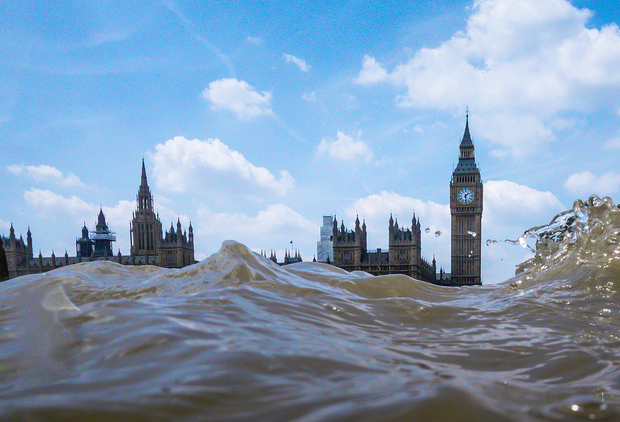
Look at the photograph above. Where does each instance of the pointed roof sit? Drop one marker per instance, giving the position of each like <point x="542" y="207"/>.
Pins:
<point x="467" y="142"/>
<point x="467" y="162"/>
<point x="144" y="181"/>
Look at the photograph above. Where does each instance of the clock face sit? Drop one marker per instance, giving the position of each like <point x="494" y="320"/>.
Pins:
<point x="465" y="196"/>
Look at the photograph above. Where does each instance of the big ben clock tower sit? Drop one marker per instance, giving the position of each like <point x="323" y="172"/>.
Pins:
<point x="466" y="215"/>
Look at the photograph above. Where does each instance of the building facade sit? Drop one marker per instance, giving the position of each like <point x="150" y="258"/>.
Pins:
<point x="325" y="246"/>
<point x="149" y="245"/>
<point x="18" y="253"/>
<point x="466" y="193"/>
<point x="404" y="254"/>
<point x="175" y="249"/>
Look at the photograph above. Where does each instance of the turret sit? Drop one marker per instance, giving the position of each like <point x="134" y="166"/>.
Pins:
<point x="29" y="240"/>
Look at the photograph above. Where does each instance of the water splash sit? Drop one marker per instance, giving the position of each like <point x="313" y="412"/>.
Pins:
<point x="588" y="234"/>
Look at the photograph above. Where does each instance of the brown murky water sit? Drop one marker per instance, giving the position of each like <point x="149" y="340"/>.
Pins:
<point x="238" y="338"/>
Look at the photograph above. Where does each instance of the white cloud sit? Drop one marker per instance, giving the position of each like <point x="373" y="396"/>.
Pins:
<point x="48" y="203"/>
<point x="45" y="201"/>
<point x="48" y="174"/>
<point x="239" y="97"/>
<point x="613" y="143"/>
<point x="4" y="225"/>
<point x="181" y="164"/>
<point x="300" y="63"/>
<point x="310" y="97"/>
<point x="274" y="220"/>
<point x="523" y="60"/>
<point x="272" y="228"/>
<point x="520" y="133"/>
<point x="345" y="148"/>
<point x="371" y="72"/>
<point x="587" y="184"/>
<point x="255" y="40"/>
<point x="509" y="210"/>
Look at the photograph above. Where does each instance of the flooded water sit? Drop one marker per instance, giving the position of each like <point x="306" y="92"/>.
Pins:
<point x="236" y="337"/>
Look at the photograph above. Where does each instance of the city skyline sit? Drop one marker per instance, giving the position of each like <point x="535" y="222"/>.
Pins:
<point x="256" y="120"/>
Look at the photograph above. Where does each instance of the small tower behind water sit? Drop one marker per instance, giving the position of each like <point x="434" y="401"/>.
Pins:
<point x="102" y="238"/>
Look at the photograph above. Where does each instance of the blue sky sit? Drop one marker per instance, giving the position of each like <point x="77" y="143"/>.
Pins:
<point x="256" y="118"/>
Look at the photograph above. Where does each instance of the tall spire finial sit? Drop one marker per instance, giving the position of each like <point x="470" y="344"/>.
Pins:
<point x="144" y="182"/>
<point x="466" y="142"/>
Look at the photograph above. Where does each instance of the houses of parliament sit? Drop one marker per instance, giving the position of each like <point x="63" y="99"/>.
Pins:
<point x="339" y="246"/>
<point x="347" y="249"/>
<point x="150" y="245"/>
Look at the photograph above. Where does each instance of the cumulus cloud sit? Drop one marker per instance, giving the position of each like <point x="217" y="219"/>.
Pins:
<point x="45" y="201"/>
<point x="509" y="210"/>
<point x="586" y="184"/>
<point x="181" y="164"/>
<point x="300" y="63"/>
<point x="275" y="219"/>
<point x="345" y="148"/>
<point x="238" y="97"/>
<point x="272" y="228"/>
<point x="523" y="60"/>
<point x="372" y="72"/>
<point x="48" y="203"/>
<point x="46" y="174"/>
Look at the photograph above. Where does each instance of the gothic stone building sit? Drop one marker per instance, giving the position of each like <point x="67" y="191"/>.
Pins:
<point x="404" y="250"/>
<point x="404" y="254"/>
<point x="466" y="215"/>
<point x="175" y="249"/>
<point x="149" y="244"/>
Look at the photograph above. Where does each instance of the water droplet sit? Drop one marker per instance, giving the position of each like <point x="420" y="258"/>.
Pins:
<point x="588" y="408"/>
<point x="427" y="230"/>
<point x="437" y="233"/>
<point x="613" y="237"/>
<point x="491" y="242"/>
<point x="472" y="234"/>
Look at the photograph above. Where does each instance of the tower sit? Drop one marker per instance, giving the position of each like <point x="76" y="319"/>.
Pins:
<point x="325" y="246"/>
<point x="145" y="229"/>
<point x="102" y="238"/>
<point x="84" y="244"/>
<point x="349" y="246"/>
<point x="404" y="246"/>
<point x="466" y="215"/>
